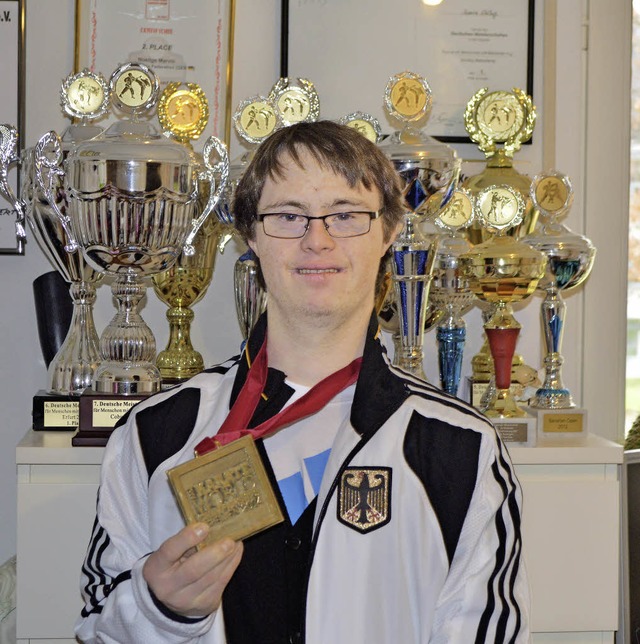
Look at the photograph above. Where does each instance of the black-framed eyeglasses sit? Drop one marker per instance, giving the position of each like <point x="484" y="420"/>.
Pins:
<point x="338" y="224"/>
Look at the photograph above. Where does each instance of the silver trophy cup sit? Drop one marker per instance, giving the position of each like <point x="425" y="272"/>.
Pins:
<point x="132" y="194"/>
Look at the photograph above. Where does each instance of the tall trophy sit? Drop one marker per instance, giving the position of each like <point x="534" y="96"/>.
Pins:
<point x="569" y="261"/>
<point x="289" y="101"/>
<point x="84" y="97"/>
<point x="450" y="291"/>
<point x="499" y="122"/>
<point x="501" y="271"/>
<point x="429" y="170"/>
<point x="183" y="112"/>
<point x="250" y="296"/>
<point x="132" y="194"/>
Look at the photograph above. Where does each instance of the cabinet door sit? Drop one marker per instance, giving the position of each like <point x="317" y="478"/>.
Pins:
<point x="54" y="526"/>
<point x="571" y="546"/>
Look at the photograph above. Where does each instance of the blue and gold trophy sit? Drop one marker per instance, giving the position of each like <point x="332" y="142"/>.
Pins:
<point x="570" y="259"/>
<point x="429" y="170"/>
<point x="450" y="291"/>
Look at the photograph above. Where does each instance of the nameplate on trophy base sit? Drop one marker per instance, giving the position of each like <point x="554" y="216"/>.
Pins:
<point x="55" y="412"/>
<point x="561" y="423"/>
<point x="516" y="431"/>
<point x="98" y="415"/>
<point x="477" y="388"/>
<point x="229" y="490"/>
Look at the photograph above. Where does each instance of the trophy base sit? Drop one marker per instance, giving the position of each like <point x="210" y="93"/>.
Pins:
<point x="55" y="412"/>
<point x="552" y="399"/>
<point x="98" y="414"/>
<point x="563" y="424"/>
<point x="519" y="432"/>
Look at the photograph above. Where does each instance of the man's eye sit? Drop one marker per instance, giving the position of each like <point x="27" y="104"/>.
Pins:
<point x="343" y="216"/>
<point x="288" y="218"/>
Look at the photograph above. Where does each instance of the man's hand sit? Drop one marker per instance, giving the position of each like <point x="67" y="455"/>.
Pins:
<point x="187" y="581"/>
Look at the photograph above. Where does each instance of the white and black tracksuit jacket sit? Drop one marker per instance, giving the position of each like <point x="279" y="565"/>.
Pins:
<point x="433" y="554"/>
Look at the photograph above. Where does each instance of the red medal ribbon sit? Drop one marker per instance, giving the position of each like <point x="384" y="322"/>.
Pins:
<point x="235" y="424"/>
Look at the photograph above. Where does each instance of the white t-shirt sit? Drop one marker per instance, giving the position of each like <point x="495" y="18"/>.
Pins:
<point x="299" y="452"/>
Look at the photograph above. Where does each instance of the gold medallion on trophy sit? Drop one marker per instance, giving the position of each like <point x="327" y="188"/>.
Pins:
<point x="183" y="110"/>
<point x="408" y="97"/>
<point x="227" y="488"/>
<point x="364" y="123"/>
<point x="500" y="117"/>
<point x="85" y="95"/>
<point x="256" y="118"/>
<point x="295" y="102"/>
<point x="551" y="193"/>
<point x="499" y="207"/>
<point x="458" y="213"/>
<point x="134" y="88"/>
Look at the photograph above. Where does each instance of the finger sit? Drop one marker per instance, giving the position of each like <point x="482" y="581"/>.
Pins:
<point x="203" y="595"/>
<point x="182" y="544"/>
<point x="207" y="562"/>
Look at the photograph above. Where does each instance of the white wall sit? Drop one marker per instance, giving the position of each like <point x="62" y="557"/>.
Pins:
<point x="561" y="84"/>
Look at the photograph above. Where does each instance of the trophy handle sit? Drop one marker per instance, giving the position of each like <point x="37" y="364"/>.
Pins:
<point x="8" y="156"/>
<point x="219" y="170"/>
<point x="47" y="160"/>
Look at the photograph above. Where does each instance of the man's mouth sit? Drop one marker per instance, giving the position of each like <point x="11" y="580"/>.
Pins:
<point x="316" y="271"/>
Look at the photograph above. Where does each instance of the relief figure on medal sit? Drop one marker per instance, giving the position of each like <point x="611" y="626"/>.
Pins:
<point x="226" y="495"/>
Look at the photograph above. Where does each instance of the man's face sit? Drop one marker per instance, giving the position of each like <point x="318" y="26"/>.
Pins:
<point x="318" y="276"/>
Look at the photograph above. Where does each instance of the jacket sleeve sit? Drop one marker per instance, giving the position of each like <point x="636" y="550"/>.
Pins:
<point x="118" y="604"/>
<point x="485" y="598"/>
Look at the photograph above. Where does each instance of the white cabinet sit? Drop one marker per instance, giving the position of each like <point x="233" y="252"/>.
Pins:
<point x="571" y="534"/>
<point x="57" y="487"/>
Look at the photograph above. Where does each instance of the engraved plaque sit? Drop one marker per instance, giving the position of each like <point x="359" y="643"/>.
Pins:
<point x="227" y="489"/>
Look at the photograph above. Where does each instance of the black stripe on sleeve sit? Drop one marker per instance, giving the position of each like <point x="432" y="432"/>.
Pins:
<point x="507" y="559"/>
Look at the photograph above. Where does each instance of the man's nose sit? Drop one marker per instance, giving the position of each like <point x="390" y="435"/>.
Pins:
<point x="317" y="236"/>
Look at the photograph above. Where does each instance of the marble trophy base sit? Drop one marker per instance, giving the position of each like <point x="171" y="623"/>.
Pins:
<point x="55" y="412"/>
<point x="98" y="414"/>
<point x="519" y="432"/>
<point x="561" y="424"/>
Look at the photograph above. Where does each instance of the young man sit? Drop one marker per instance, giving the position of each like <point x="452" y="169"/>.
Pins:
<point x="402" y="509"/>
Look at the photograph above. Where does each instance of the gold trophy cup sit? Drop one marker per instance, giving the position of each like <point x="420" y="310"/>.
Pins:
<point x="501" y="271"/>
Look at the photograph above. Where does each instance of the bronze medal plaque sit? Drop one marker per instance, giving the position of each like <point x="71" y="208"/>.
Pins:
<point x="229" y="490"/>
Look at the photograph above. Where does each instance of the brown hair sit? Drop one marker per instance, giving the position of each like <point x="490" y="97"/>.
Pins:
<point x="338" y="147"/>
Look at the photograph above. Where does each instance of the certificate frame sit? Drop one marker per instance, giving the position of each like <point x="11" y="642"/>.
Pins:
<point x="356" y="65"/>
<point x="190" y="41"/>
<point x="12" y="111"/>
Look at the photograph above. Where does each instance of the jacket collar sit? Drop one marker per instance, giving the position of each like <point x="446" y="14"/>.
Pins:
<point x="379" y="392"/>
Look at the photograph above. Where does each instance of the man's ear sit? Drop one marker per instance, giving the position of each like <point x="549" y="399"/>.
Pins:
<point x="252" y="245"/>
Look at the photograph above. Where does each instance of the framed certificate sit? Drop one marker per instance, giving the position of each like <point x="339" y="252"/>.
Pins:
<point x="12" y="80"/>
<point x="188" y="41"/>
<point x="350" y="49"/>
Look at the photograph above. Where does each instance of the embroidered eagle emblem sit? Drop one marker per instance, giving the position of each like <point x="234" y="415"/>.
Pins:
<point x="364" y="498"/>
